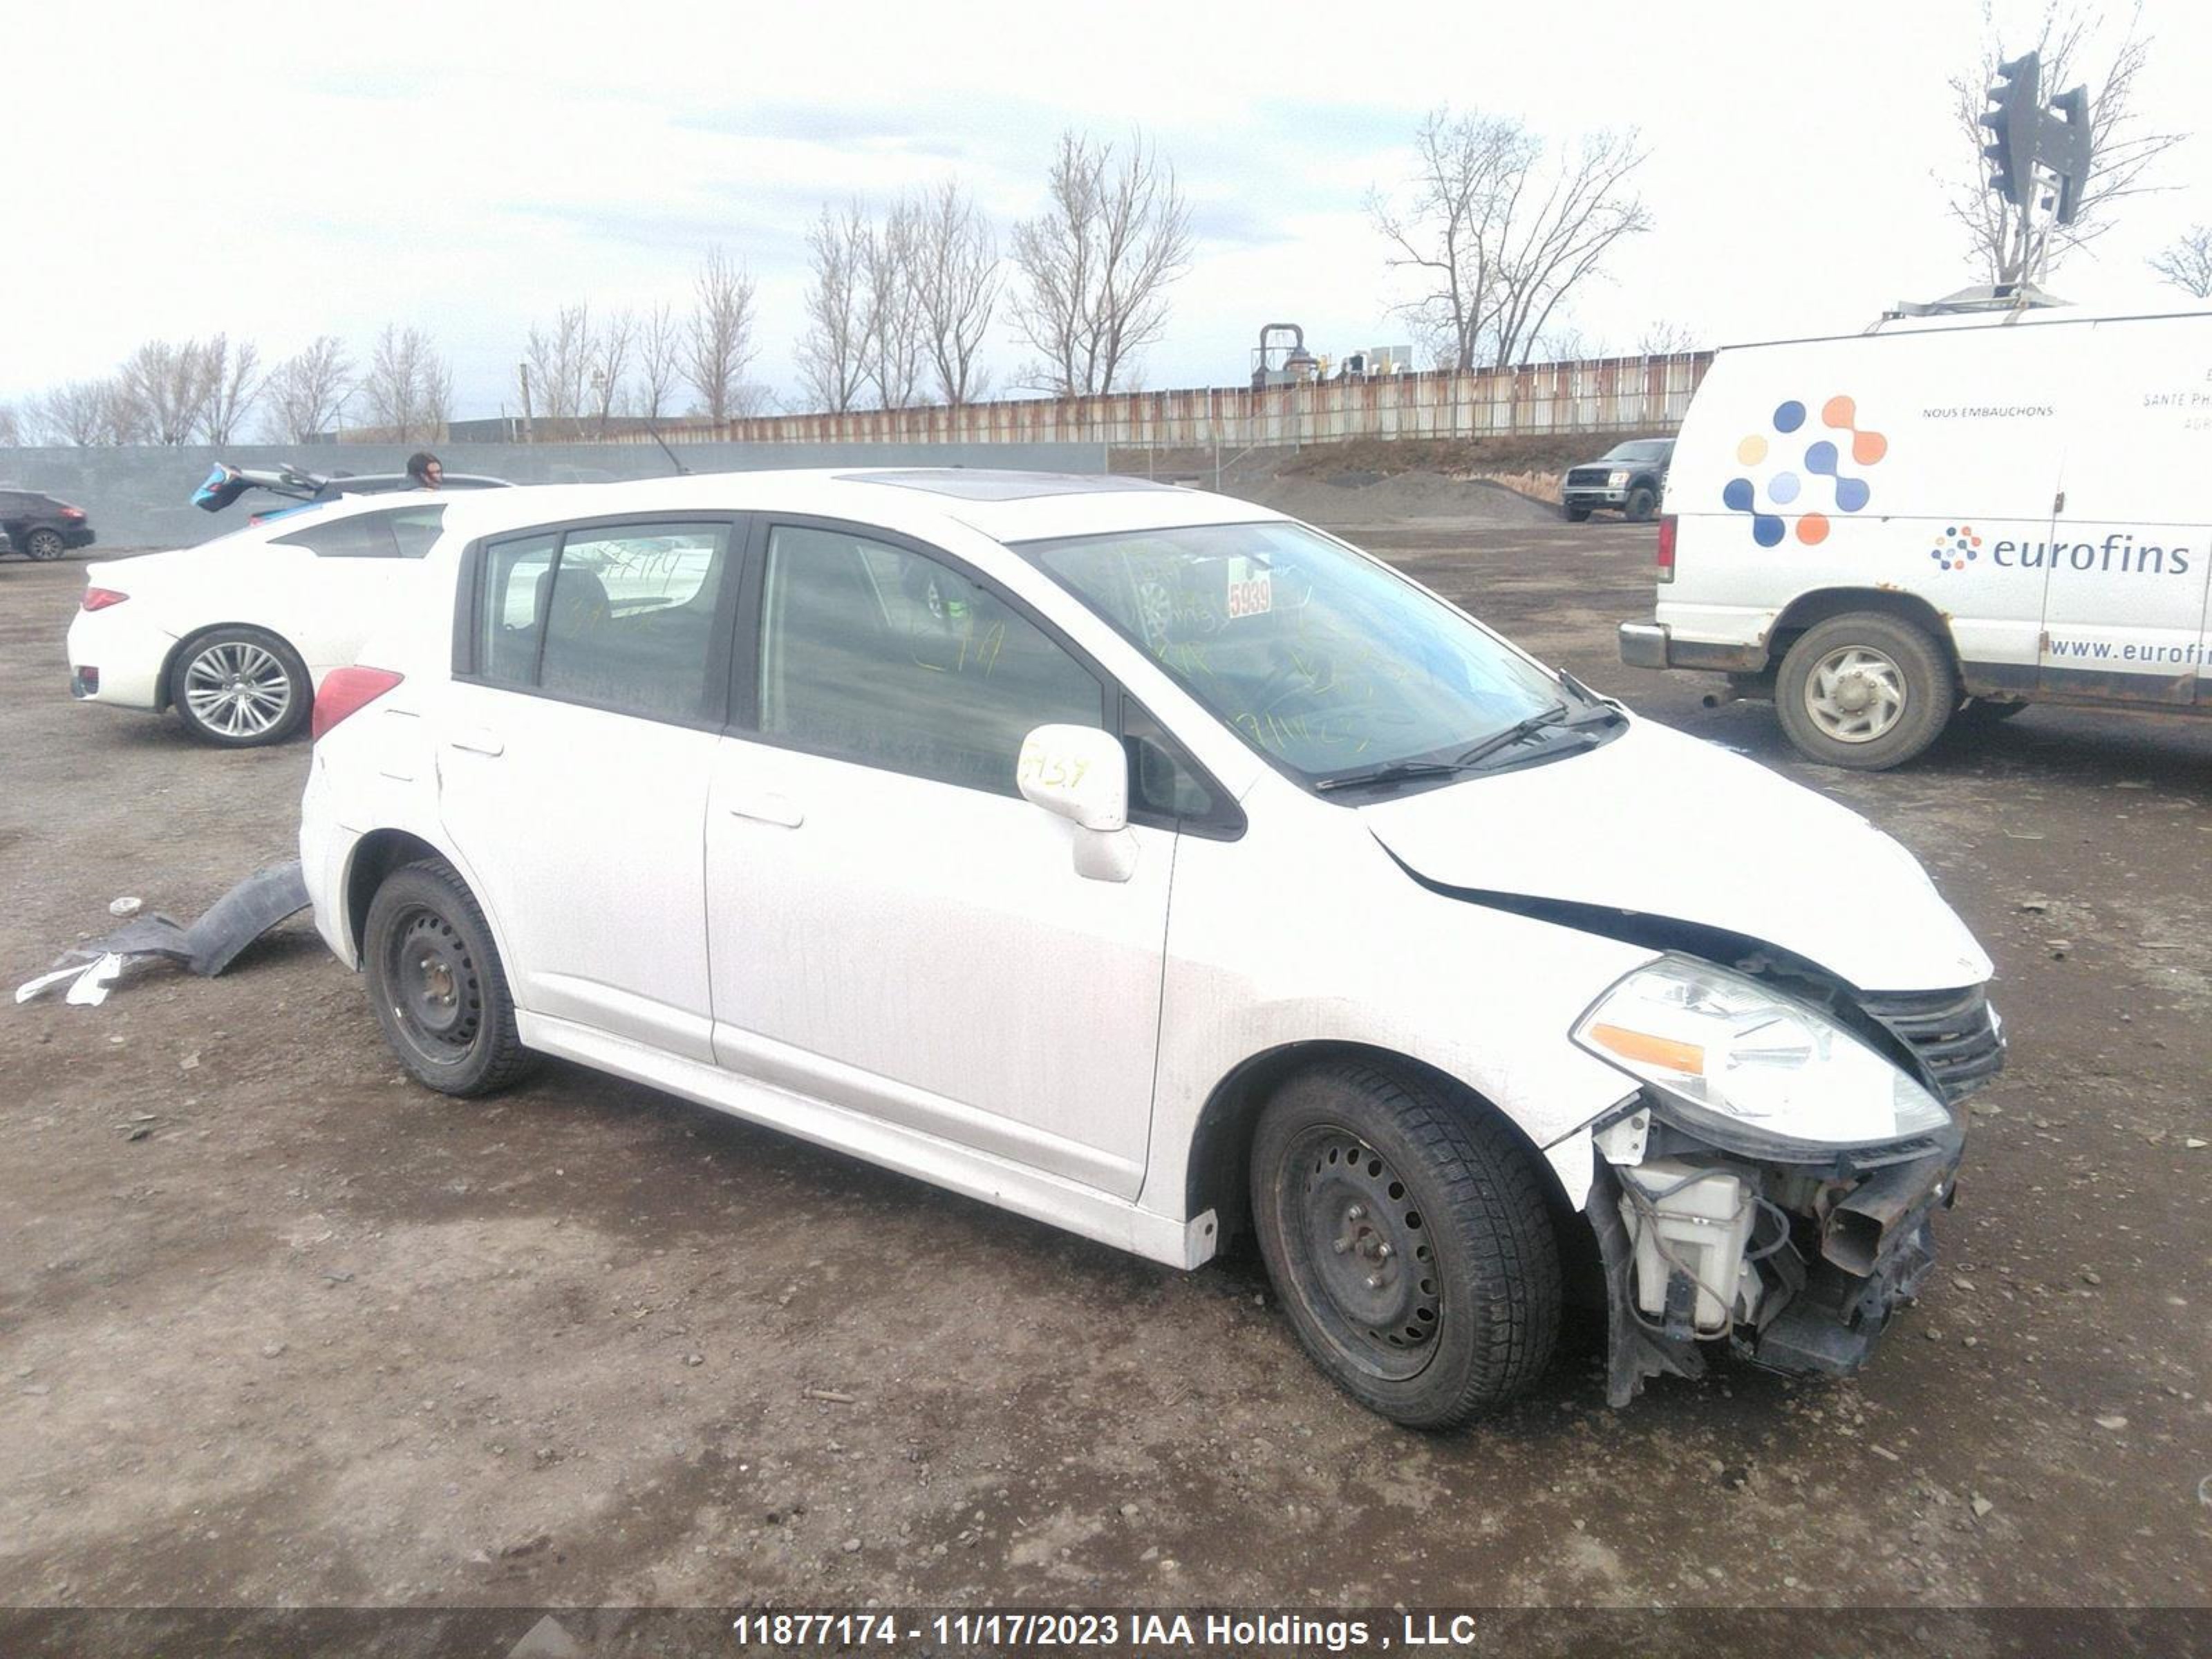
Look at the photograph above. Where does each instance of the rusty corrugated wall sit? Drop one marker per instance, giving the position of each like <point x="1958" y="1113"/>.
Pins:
<point x="1604" y="395"/>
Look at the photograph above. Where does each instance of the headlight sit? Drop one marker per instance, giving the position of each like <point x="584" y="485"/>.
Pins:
<point x="1757" y="1072"/>
<point x="1614" y="481"/>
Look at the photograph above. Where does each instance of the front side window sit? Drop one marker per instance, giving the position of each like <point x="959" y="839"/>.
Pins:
<point x="880" y="655"/>
<point x="1325" y="662"/>
<point x="621" y="616"/>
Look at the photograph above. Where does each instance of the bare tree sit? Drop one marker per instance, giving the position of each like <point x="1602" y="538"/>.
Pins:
<point x="1500" y="234"/>
<point x="2006" y="244"/>
<point x="718" y="339"/>
<point x="608" y="368"/>
<point x="306" y="390"/>
<point x="952" y="267"/>
<point x="11" y="427"/>
<point x="833" y="352"/>
<point x="2186" y="262"/>
<point x="559" y="358"/>
<point x="233" y="386"/>
<point x="1666" y="339"/>
<point x="165" y="386"/>
<point x="893" y="339"/>
<point x="86" y="413"/>
<point x="408" y="388"/>
<point x="1467" y="167"/>
<point x="1095" y="265"/>
<point x="660" y="363"/>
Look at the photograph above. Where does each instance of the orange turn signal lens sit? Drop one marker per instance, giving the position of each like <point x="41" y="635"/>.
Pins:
<point x="1687" y="1058"/>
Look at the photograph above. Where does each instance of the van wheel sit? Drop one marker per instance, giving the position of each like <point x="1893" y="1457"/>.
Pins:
<point x="1642" y="501"/>
<point x="435" y="982"/>
<point x="1408" y="1239"/>
<point x="1864" y="691"/>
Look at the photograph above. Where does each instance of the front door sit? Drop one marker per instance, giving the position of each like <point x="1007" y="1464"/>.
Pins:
<point x="892" y="928"/>
<point x="584" y="735"/>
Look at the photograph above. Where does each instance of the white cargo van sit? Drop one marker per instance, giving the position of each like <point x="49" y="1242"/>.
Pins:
<point x="1944" y="515"/>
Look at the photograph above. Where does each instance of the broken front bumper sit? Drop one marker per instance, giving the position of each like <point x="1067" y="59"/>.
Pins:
<point x="1796" y="1268"/>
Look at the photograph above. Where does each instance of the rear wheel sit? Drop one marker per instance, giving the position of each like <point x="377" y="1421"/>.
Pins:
<point x="435" y="982"/>
<point x="1864" y="691"/>
<point x="239" y="688"/>
<point x="45" y="544"/>
<point x="1407" y="1237"/>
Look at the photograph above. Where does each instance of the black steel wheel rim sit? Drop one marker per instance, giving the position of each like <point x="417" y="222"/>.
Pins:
<point x="1360" y="1243"/>
<point x="432" y="986"/>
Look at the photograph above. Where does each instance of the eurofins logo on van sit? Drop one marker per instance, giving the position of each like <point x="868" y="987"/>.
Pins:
<point x="2118" y="553"/>
<point x="1819" y="458"/>
<point x="1955" y="546"/>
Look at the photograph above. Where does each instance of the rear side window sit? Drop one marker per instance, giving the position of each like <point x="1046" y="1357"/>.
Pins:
<point x="415" y="530"/>
<point x="359" y="536"/>
<point x="622" y="617"/>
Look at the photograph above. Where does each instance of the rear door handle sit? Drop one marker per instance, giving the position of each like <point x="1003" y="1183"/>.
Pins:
<point x="478" y="741"/>
<point x="767" y="808"/>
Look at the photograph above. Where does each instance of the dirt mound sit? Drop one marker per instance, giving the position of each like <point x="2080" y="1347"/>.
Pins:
<point x="1366" y="498"/>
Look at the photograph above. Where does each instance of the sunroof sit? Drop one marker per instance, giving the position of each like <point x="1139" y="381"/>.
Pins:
<point x="974" y="485"/>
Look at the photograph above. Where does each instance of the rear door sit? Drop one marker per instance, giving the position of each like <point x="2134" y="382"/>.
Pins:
<point x="576" y="741"/>
<point x="2126" y="590"/>
<point x="330" y="582"/>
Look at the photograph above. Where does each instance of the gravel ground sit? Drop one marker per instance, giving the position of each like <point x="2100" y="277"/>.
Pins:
<point x="276" y="1327"/>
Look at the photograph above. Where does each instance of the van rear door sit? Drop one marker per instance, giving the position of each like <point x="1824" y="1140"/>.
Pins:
<point x="2131" y="549"/>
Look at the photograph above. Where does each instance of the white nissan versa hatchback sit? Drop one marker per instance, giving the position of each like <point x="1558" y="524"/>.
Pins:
<point x="1155" y="865"/>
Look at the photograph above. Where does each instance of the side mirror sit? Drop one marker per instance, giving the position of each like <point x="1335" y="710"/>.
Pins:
<point x="1078" y="772"/>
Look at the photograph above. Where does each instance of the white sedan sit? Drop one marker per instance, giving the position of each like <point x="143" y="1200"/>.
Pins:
<point x="236" y="635"/>
<point x="1159" y="868"/>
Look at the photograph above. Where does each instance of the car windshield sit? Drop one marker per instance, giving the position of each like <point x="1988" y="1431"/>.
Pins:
<point x="1644" y="449"/>
<point x="1328" y="663"/>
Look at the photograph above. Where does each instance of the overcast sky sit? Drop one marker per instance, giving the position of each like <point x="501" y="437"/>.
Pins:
<point x="279" y="173"/>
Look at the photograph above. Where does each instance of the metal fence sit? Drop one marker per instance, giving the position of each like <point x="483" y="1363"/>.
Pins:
<point x="1602" y="395"/>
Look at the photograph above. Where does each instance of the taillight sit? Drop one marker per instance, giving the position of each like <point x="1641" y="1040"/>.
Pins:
<point x="72" y="513"/>
<point x="1667" y="549"/>
<point x="347" y="691"/>
<point x="99" y="598"/>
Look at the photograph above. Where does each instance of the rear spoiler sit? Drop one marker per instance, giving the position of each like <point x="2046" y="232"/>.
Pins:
<point x="225" y="484"/>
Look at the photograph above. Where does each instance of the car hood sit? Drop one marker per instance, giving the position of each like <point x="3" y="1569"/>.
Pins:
<point x="1660" y="824"/>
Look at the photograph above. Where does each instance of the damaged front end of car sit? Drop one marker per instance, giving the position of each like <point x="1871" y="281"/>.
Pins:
<point x="1772" y="1183"/>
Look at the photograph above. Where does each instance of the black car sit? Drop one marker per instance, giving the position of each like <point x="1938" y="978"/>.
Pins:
<point x="40" y="526"/>
<point x="1630" y="477"/>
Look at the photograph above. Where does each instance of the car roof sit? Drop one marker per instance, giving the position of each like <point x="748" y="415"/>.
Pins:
<point x="1006" y="506"/>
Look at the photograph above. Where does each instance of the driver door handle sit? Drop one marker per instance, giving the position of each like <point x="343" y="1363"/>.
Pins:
<point x="765" y="807"/>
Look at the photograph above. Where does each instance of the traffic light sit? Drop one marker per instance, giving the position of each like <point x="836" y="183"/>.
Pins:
<point x="2065" y="149"/>
<point x="2011" y="150"/>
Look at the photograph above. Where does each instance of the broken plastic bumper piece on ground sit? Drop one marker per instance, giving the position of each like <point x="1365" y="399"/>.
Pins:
<point x="206" y="947"/>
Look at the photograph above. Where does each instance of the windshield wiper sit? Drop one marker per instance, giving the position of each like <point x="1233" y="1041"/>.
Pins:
<point x="1395" y="772"/>
<point x="1553" y="719"/>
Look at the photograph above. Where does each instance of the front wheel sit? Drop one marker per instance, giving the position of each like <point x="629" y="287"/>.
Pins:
<point x="1574" y="514"/>
<point x="239" y="688"/>
<point x="1864" y="691"/>
<point x="435" y="982"/>
<point x="1405" y="1232"/>
<point x="43" y="545"/>
<point x="1642" y="502"/>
